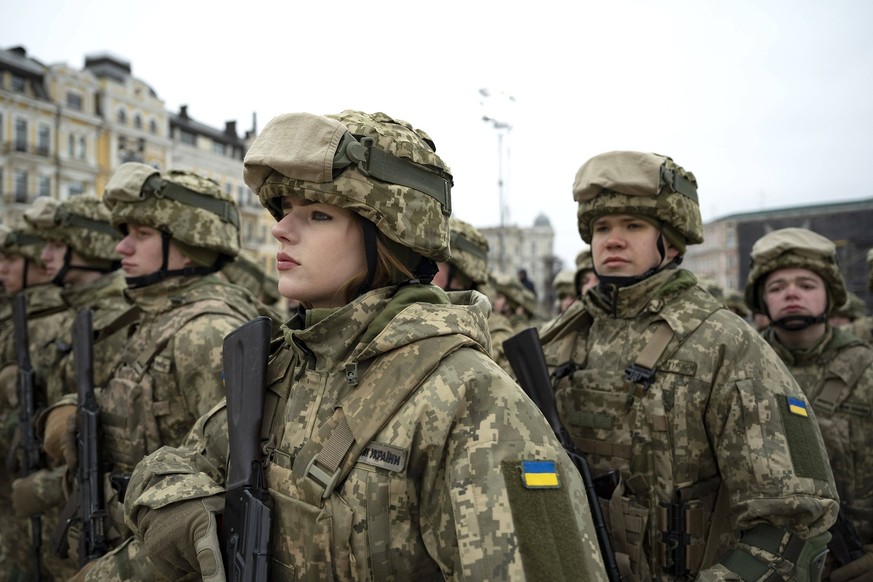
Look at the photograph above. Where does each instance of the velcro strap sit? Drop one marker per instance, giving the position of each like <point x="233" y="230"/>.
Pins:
<point x="604" y="449"/>
<point x="829" y="398"/>
<point x="383" y="166"/>
<point x="747" y="566"/>
<point x="224" y="209"/>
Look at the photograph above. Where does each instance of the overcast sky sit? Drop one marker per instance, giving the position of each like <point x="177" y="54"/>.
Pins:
<point x="767" y="102"/>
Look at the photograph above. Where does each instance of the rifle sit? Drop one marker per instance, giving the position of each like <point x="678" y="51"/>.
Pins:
<point x="525" y="355"/>
<point x="845" y="544"/>
<point x="26" y="408"/>
<point x="247" y="512"/>
<point x="92" y="539"/>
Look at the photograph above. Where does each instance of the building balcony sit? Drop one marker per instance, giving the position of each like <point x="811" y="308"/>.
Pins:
<point x="23" y="147"/>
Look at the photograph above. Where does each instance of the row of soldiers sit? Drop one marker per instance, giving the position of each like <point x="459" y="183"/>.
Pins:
<point x="709" y="454"/>
<point x="157" y="261"/>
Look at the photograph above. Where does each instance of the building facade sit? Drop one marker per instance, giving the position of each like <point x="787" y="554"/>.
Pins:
<point x="64" y="131"/>
<point x="724" y="254"/>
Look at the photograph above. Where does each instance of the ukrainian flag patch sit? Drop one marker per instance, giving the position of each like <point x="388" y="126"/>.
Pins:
<point x="539" y="475"/>
<point x="797" y="406"/>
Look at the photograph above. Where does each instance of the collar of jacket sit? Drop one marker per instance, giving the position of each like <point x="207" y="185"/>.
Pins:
<point x="385" y="319"/>
<point x="173" y="292"/>
<point x="649" y="295"/>
<point x="81" y="296"/>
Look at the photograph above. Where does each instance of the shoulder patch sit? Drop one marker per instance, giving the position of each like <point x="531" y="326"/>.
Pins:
<point x="797" y="406"/>
<point x="539" y="475"/>
<point x="384" y="456"/>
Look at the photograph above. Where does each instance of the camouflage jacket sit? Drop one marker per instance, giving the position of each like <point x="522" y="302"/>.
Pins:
<point x="437" y="492"/>
<point x="500" y="330"/>
<point x="105" y="297"/>
<point x="169" y="371"/>
<point x="837" y="377"/>
<point x="714" y="422"/>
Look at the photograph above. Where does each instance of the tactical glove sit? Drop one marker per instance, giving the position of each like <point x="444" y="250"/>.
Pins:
<point x="183" y="537"/>
<point x="37" y="492"/>
<point x="59" y="441"/>
<point x="857" y="571"/>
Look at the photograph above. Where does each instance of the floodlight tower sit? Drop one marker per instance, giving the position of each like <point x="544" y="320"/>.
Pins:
<point x="498" y="105"/>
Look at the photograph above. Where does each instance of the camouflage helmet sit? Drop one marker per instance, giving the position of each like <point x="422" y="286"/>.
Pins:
<point x="246" y="270"/>
<point x="789" y="248"/>
<point x="584" y="264"/>
<point x="565" y="283"/>
<point x="648" y="185"/>
<point x="376" y="166"/>
<point x="82" y="223"/>
<point x="469" y="251"/>
<point x="734" y="301"/>
<point x="190" y="208"/>
<point x="517" y="294"/>
<point x="854" y="308"/>
<point x="22" y="240"/>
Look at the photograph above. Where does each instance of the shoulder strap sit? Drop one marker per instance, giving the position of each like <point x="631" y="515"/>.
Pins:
<point x="325" y="461"/>
<point x="843" y="373"/>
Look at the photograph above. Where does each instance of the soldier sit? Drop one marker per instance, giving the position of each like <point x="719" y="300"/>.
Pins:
<point x="862" y="327"/>
<point x="247" y="271"/>
<point x="585" y="278"/>
<point x="565" y="289"/>
<point x="374" y="341"/>
<point x="179" y="230"/>
<point x="80" y="256"/>
<point x="795" y="280"/>
<point x="517" y="303"/>
<point x="467" y="270"/>
<point x="23" y="271"/>
<point x="723" y="474"/>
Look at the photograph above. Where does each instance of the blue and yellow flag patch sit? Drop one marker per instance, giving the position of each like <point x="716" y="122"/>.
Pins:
<point x="539" y="475"/>
<point x="797" y="406"/>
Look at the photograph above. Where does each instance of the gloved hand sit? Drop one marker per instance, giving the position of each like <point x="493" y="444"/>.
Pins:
<point x="59" y="440"/>
<point x="183" y="537"/>
<point x="37" y="492"/>
<point x="861" y="570"/>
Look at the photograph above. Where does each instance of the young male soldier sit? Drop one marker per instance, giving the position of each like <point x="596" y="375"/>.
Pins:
<point x="585" y="278"/>
<point x="723" y="473"/>
<point x="23" y="271"/>
<point x="467" y="270"/>
<point x="794" y="279"/>
<point x="179" y="229"/>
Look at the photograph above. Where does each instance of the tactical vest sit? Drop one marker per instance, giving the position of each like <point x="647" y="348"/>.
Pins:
<point x="312" y="524"/>
<point x="625" y="419"/>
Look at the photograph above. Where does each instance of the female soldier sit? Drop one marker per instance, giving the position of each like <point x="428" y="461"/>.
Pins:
<point x="446" y="483"/>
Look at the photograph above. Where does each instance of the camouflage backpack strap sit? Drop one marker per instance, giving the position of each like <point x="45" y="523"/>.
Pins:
<point x="640" y="374"/>
<point x="563" y="337"/>
<point x="842" y="375"/>
<point x="325" y="461"/>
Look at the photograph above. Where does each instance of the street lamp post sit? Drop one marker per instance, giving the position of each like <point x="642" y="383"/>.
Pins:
<point x="503" y="127"/>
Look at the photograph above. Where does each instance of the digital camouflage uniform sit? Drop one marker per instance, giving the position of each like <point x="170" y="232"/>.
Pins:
<point x="703" y="422"/>
<point x="836" y="374"/>
<point x="169" y="370"/>
<point x="434" y="488"/>
<point x="47" y="317"/>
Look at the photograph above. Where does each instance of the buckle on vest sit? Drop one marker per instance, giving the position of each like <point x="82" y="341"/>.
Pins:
<point x="639" y="375"/>
<point x="322" y="477"/>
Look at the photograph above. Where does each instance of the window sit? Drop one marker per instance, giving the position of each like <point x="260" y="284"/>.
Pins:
<point x="20" y="135"/>
<point x="122" y="117"/>
<point x="42" y="140"/>
<point x="137" y="121"/>
<point x="83" y="147"/>
<point x="17" y="84"/>
<point x="187" y="137"/>
<point x="71" y="146"/>
<point x="21" y="186"/>
<point x="730" y="238"/>
<point x="45" y="184"/>
<point x="153" y="127"/>
<point x="75" y="188"/>
<point x="218" y="148"/>
<point x="74" y="101"/>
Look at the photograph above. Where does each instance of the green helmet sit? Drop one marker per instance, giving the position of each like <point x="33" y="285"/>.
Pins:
<point x="82" y="223"/>
<point x="378" y="167"/>
<point x="190" y="208"/>
<point x="854" y="308"/>
<point x="23" y="241"/>
<point x="565" y="283"/>
<point x="794" y="248"/>
<point x="648" y="185"/>
<point x="469" y="251"/>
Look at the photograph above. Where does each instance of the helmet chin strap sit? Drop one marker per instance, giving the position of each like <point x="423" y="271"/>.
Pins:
<point x="165" y="273"/>
<point x="798" y="322"/>
<point x="59" y="277"/>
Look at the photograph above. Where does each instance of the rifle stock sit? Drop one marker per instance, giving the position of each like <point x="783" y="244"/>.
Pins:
<point x="92" y="539"/>
<point x="525" y="355"/>
<point x="32" y="459"/>
<point x="247" y="512"/>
